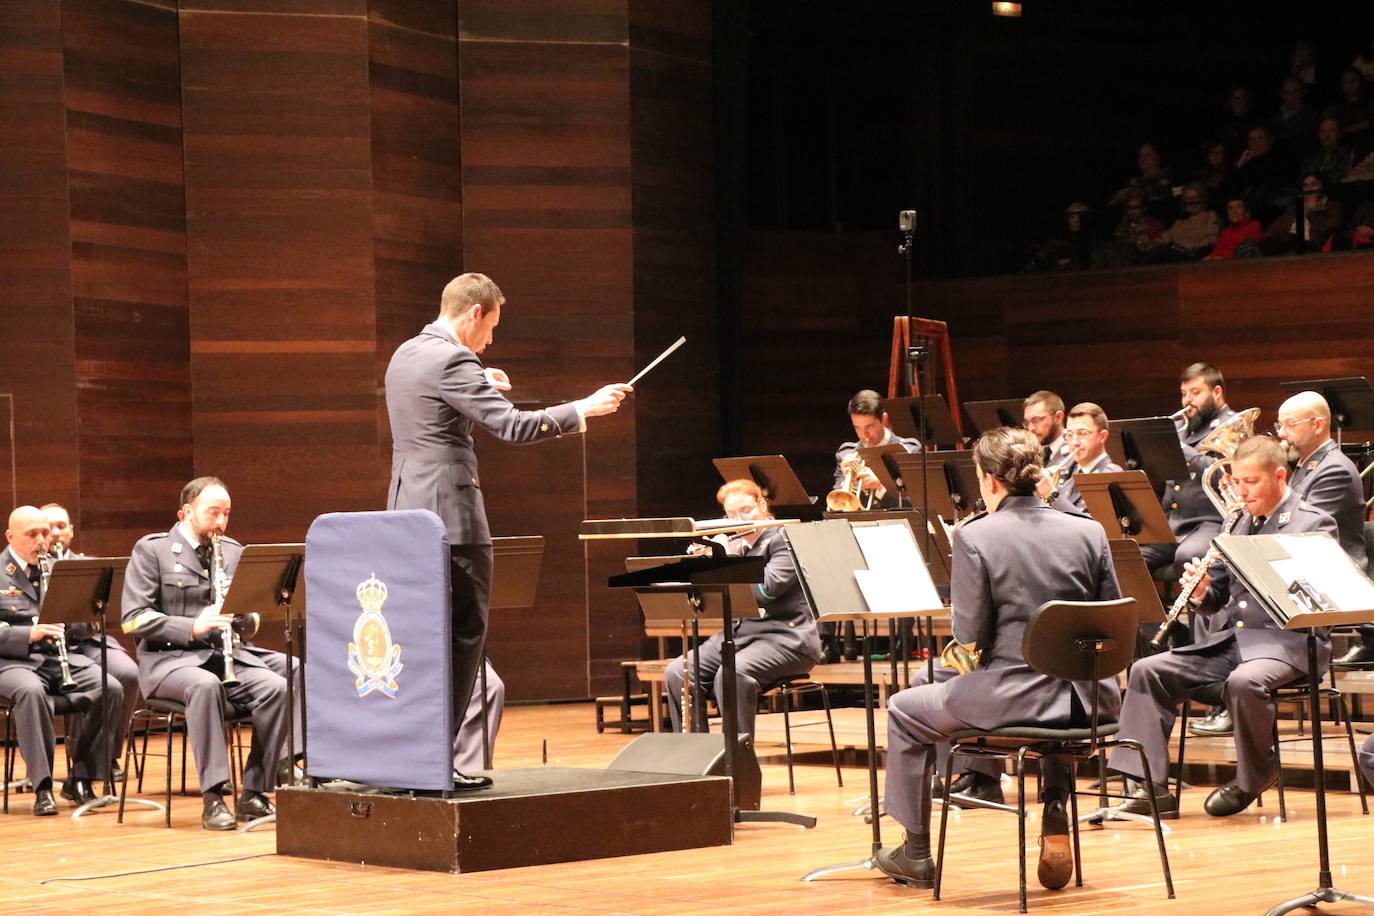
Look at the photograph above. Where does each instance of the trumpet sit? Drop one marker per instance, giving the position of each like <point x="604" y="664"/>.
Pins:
<point x="68" y="684"/>
<point x="219" y="584"/>
<point x="845" y="497"/>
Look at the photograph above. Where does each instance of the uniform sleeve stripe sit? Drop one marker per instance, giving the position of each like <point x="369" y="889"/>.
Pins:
<point x="142" y="619"/>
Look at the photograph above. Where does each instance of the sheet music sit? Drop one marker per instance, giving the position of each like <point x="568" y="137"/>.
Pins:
<point x="1323" y="563"/>
<point x="896" y="580"/>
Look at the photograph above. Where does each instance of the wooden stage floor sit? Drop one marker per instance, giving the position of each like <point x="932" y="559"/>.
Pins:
<point x="1239" y="865"/>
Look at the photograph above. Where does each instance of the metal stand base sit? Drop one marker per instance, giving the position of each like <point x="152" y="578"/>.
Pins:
<point x="104" y="801"/>
<point x="258" y="822"/>
<point x="1102" y="815"/>
<point x="776" y="817"/>
<point x="1320" y="895"/>
<point x="867" y="865"/>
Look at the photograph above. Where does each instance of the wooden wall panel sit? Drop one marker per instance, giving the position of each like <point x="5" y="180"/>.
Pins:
<point x="128" y="226"/>
<point x="279" y="227"/>
<point x="546" y="159"/>
<point x="38" y="370"/>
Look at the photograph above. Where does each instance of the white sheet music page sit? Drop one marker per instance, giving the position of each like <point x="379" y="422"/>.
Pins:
<point x="1322" y="562"/>
<point x="896" y="580"/>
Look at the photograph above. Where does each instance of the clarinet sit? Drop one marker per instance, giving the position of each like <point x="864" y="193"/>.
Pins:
<point x="228" y="639"/>
<point x="68" y="684"/>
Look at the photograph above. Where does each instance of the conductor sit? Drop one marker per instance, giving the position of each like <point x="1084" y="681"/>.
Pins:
<point x="437" y="390"/>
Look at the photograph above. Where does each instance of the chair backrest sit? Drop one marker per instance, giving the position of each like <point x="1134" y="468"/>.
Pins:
<point x="1052" y="643"/>
<point x="1369" y="543"/>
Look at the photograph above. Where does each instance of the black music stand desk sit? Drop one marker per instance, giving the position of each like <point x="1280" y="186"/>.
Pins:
<point x="1305" y="581"/>
<point x="1124" y="503"/>
<point x="1148" y="444"/>
<point x="881" y="459"/>
<point x="988" y="415"/>
<point x="265" y="582"/>
<point x="1133" y="577"/>
<point x="908" y="414"/>
<point x="950" y="482"/>
<point x="772" y="473"/>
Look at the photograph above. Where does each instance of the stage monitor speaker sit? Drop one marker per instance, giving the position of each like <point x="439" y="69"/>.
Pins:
<point x="694" y="754"/>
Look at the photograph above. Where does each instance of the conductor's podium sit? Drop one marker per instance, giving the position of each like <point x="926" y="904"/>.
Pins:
<point x="530" y="816"/>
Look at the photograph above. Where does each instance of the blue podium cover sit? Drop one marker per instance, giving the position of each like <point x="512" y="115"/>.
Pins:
<point x="377" y="649"/>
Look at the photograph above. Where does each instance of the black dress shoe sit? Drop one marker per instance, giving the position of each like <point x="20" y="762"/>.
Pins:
<point x="77" y="791"/>
<point x="1218" y="722"/>
<point x="902" y="868"/>
<point x="1139" y="803"/>
<point x="980" y="786"/>
<point x="44" y="805"/>
<point x="937" y="788"/>
<point x="116" y="771"/>
<point x="1361" y="653"/>
<point x="1228" y="800"/>
<point x="468" y="783"/>
<point x="216" y="816"/>
<point x="253" y="805"/>
<point x="1056" y="848"/>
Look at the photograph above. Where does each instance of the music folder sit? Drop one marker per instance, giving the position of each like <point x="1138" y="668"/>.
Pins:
<point x="936" y="554"/>
<point x="1301" y="580"/>
<point x="1124" y="503"/>
<point x="772" y="473"/>
<point x="848" y="574"/>
<point x="905" y="415"/>
<point x="1148" y="444"/>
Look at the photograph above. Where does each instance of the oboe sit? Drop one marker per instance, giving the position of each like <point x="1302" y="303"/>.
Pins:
<point x="68" y="684"/>
<point x="219" y="584"/>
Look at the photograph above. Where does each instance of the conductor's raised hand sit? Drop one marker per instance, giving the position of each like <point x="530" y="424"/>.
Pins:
<point x="605" y="399"/>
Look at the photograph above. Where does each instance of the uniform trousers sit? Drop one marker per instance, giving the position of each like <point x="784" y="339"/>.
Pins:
<point x="470" y="587"/>
<point x="467" y="748"/>
<point x="985" y="765"/>
<point x="761" y="658"/>
<point x="122" y="668"/>
<point x="1158" y="685"/>
<point x="30" y="693"/>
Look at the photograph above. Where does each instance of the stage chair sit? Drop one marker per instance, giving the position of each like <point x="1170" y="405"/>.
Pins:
<point x="62" y="706"/>
<point x="156" y="712"/>
<point x="786" y="690"/>
<point x="1070" y="641"/>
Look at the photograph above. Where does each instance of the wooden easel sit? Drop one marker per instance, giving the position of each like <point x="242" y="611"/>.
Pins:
<point x="938" y="333"/>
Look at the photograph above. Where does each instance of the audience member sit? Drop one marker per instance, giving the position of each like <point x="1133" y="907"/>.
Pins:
<point x="1192" y="235"/>
<point x="1364" y="62"/>
<point x="1261" y="173"/>
<point x="1359" y="233"/>
<point x="1241" y="235"/>
<point x="1331" y="160"/>
<point x="1072" y="249"/>
<point x="1216" y="174"/>
<point x="1302" y="64"/>
<point x="1235" y="130"/>
<point x="1354" y="112"/>
<point x="1295" y="123"/>
<point x="1154" y="184"/>
<point x="1322" y="218"/>
<point x="1137" y="228"/>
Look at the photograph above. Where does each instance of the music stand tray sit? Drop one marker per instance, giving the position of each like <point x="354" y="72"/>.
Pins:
<point x="988" y="415"/>
<point x="516" y="562"/>
<point x="951" y="483"/>
<point x="904" y="415"/>
<point x="1149" y="444"/>
<point x="1351" y="400"/>
<point x="772" y="473"/>
<point x="1124" y="503"/>
<point x="1133" y="576"/>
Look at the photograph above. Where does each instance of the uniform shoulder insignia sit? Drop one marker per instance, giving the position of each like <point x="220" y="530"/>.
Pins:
<point x="155" y="536"/>
<point x="1076" y="514"/>
<point x="973" y="518"/>
<point x="1284" y="517"/>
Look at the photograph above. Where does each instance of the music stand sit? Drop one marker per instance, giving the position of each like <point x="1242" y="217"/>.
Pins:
<point x="78" y="592"/>
<point x="1305" y="581"/>
<point x="988" y="415"/>
<point x="1133" y="576"/>
<point x="1351" y="401"/>
<point x="1149" y="444"/>
<point x="265" y="580"/>
<point x="515" y="565"/>
<point x="1124" y="503"/>
<point x="951" y="484"/>
<point x="882" y="460"/>
<point x="907" y="415"/>
<point x="780" y="484"/>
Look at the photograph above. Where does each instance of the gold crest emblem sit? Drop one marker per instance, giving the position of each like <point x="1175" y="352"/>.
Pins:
<point x="372" y="657"/>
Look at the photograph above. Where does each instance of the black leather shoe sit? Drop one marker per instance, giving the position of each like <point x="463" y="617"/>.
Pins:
<point x="467" y="783"/>
<point x="44" y="805"/>
<point x="216" y="816"/>
<point x="77" y="791"/>
<point x="1056" y="848"/>
<point x="937" y="788"/>
<point x="1139" y="803"/>
<point x="980" y="786"/>
<point x="253" y="805"/>
<point x="1228" y="800"/>
<point x="1361" y="653"/>
<point x="1218" y="722"/>
<point x="902" y="868"/>
<point x="116" y="771"/>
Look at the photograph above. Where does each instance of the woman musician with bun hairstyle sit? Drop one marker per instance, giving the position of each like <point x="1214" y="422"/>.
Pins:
<point x="1007" y="562"/>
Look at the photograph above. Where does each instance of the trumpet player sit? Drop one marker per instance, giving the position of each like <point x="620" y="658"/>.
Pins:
<point x="1244" y="648"/>
<point x="168" y="605"/>
<point x="1043" y="414"/>
<point x="1086" y="432"/>
<point x="872" y="428"/>
<point x="30" y="674"/>
<point x="1007" y="562"/>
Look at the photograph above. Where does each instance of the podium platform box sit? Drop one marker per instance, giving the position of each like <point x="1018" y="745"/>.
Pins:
<point x="531" y="816"/>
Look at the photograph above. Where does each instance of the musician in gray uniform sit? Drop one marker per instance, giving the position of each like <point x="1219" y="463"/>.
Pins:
<point x="1246" y="649"/>
<point x="437" y="391"/>
<point x="81" y="638"/>
<point x="1043" y="414"/>
<point x="871" y="429"/>
<point x="780" y="642"/>
<point x="1086" y="432"/>
<point x="1006" y="563"/>
<point x="468" y="750"/>
<point x="169" y="606"/>
<point x="1327" y="479"/>
<point x="30" y="674"/>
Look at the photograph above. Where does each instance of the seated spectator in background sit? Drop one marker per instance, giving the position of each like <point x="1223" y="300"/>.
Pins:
<point x="1137" y="228"/>
<point x="1295" y="123"/>
<point x="1261" y="173"/>
<point x="1322" y="218"/>
<point x="1364" y="62"/>
<point x="1192" y="235"/>
<point x="1154" y="184"/>
<point x="1072" y="249"/>
<point x="1362" y="170"/>
<point x="1354" y="112"/>
<point x="1242" y="232"/>
<point x="1236" y="128"/>
<point x="1359" y="233"/>
<point x="1216" y="174"/>
<point x="1331" y="160"/>
<point x="1303" y="62"/>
